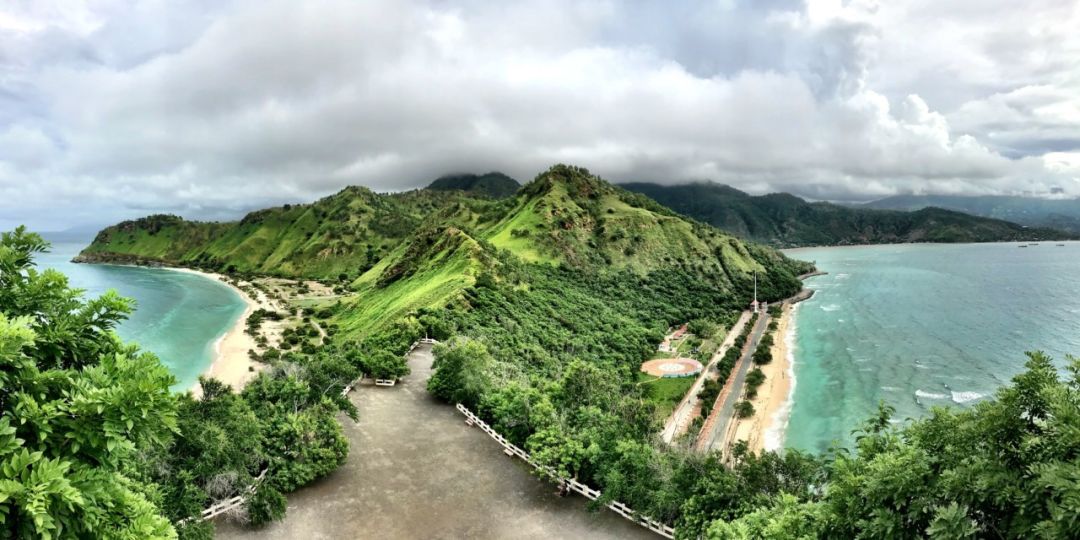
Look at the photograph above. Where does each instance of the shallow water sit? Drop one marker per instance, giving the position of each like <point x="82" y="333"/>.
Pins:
<point x="178" y="316"/>
<point x="924" y="325"/>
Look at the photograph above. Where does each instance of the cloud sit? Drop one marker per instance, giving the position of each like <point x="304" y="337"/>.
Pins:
<point x="119" y="109"/>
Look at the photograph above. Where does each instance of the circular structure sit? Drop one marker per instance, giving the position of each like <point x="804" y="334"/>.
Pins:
<point x="672" y="367"/>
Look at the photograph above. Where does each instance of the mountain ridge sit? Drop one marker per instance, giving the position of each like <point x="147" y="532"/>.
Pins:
<point x="785" y="220"/>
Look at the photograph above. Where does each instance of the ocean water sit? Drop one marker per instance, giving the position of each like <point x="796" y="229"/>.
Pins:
<point x="178" y="316"/>
<point x="923" y="325"/>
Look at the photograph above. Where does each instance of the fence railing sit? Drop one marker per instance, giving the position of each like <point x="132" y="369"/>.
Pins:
<point x="226" y="505"/>
<point x="385" y="382"/>
<point x="511" y="449"/>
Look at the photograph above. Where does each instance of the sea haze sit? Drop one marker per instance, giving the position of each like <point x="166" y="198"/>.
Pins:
<point x="924" y="325"/>
<point x="178" y="316"/>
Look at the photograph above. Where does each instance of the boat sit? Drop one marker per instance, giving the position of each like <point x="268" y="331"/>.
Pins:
<point x="1022" y="245"/>
<point x="1061" y="245"/>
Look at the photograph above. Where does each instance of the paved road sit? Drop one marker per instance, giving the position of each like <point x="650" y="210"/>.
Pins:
<point x="683" y="414"/>
<point x="727" y="409"/>
<point x="416" y="471"/>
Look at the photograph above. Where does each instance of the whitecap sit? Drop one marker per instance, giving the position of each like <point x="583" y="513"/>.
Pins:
<point x="964" y="397"/>
<point x="830" y="307"/>
<point x="929" y="395"/>
<point x="890" y="388"/>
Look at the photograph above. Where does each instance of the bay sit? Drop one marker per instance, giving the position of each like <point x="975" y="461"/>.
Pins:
<point x="920" y="325"/>
<point x="178" y="316"/>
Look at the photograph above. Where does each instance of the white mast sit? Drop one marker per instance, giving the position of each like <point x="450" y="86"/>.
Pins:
<point x="755" y="304"/>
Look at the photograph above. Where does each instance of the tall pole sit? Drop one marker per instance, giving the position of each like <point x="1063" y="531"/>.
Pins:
<point x="755" y="304"/>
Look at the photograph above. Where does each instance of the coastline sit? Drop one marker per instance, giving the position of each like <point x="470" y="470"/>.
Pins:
<point x="231" y="363"/>
<point x="764" y="430"/>
<point x="778" y="411"/>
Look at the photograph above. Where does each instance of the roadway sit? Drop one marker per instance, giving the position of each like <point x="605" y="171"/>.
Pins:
<point x="742" y="367"/>
<point x="683" y="414"/>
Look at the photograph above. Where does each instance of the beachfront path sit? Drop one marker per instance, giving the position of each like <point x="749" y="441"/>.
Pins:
<point x="416" y="471"/>
<point x="685" y="412"/>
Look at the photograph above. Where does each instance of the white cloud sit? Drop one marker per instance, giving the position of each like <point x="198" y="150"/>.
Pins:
<point x="126" y="108"/>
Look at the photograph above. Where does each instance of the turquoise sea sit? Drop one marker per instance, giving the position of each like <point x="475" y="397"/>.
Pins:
<point x="178" y="316"/>
<point x="923" y="325"/>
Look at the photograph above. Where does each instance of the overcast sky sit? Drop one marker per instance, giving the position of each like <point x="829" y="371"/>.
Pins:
<point x="115" y="109"/>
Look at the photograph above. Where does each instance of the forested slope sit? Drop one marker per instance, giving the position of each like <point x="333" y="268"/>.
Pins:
<point x="784" y="220"/>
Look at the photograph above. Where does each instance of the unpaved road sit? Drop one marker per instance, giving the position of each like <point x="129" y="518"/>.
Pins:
<point x="416" y="471"/>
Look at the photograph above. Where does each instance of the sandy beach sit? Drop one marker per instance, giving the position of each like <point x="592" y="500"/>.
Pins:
<point x="231" y="364"/>
<point x="764" y="430"/>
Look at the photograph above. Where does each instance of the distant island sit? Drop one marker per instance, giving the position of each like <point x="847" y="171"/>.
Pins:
<point x="784" y="220"/>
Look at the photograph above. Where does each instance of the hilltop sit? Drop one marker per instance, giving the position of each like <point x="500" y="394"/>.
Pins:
<point x="493" y="184"/>
<point x="784" y="220"/>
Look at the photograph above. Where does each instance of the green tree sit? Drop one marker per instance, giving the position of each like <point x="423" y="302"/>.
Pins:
<point x="76" y="407"/>
<point x="461" y="371"/>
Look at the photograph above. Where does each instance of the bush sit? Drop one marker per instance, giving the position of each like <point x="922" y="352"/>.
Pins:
<point x="744" y="409"/>
<point x="265" y="505"/>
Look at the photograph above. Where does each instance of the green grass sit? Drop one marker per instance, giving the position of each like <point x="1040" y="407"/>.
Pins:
<point x="665" y="392"/>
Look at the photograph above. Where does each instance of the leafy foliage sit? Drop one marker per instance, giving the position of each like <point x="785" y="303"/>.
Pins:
<point x="76" y="408"/>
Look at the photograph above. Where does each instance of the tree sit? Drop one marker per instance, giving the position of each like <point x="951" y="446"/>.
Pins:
<point x="383" y="364"/>
<point x="461" y="371"/>
<point x="76" y="407"/>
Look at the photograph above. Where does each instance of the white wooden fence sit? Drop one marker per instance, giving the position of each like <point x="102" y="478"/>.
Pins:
<point x="226" y="505"/>
<point x="384" y="382"/>
<point x="511" y="449"/>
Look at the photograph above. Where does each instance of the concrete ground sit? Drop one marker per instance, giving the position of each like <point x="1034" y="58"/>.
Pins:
<point x="416" y="471"/>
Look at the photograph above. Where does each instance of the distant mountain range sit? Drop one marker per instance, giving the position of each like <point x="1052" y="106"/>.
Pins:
<point x="1061" y="214"/>
<point x="784" y="220"/>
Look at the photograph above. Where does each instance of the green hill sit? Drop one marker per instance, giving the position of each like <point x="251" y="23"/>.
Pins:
<point x="1062" y="214"/>
<point x="564" y="218"/>
<point x="493" y="184"/>
<point x="784" y="220"/>
<point x="407" y="252"/>
<point x="343" y="234"/>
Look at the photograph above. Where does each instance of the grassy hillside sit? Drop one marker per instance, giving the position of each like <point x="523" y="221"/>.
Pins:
<point x="408" y="252"/>
<point x="784" y="220"/>
<point x="342" y="235"/>
<point x="564" y="218"/>
<point x="568" y="216"/>
<point x="1063" y="214"/>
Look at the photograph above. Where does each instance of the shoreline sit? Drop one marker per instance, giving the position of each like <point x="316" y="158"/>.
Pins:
<point x="778" y="411"/>
<point x="762" y="431"/>
<point x="231" y="363"/>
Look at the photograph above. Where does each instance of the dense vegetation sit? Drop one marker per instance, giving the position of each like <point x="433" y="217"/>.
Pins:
<point x="493" y="184"/>
<point x="1063" y="214"/>
<point x="93" y="443"/>
<point x="1008" y="468"/>
<point x="784" y="220"/>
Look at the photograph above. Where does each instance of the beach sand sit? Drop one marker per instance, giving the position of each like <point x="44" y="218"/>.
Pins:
<point x="231" y="364"/>
<point x="763" y="430"/>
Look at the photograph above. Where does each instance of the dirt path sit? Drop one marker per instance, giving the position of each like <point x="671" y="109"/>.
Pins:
<point x="416" y="471"/>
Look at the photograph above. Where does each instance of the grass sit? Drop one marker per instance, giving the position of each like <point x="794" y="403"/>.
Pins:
<point x="665" y="392"/>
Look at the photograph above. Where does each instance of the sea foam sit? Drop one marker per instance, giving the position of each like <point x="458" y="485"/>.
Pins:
<point x="929" y="395"/>
<point x="964" y="397"/>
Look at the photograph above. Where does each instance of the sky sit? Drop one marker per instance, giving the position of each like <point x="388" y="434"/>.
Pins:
<point x="115" y="109"/>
